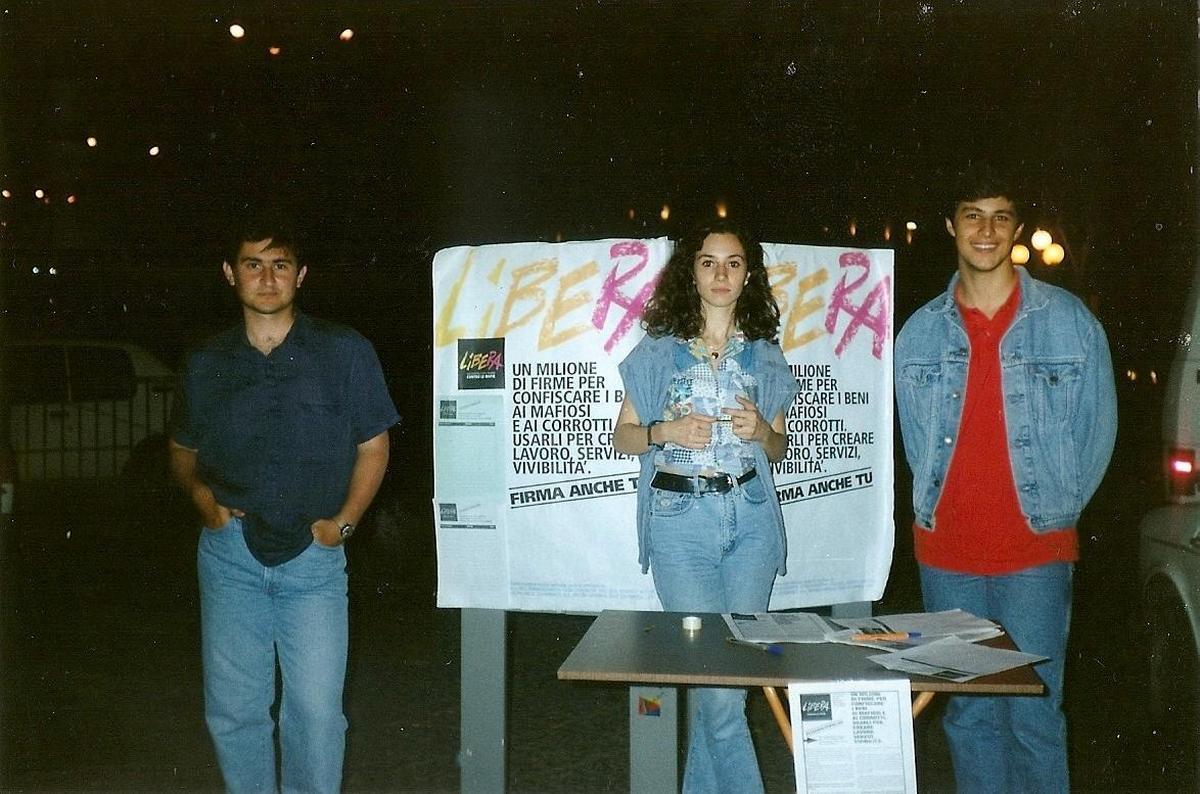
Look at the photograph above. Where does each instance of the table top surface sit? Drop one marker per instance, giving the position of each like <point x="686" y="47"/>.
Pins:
<point x="653" y="648"/>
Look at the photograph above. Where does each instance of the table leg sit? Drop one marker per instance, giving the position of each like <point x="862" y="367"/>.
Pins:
<point x="920" y="702"/>
<point x="653" y="739"/>
<point x="783" y="720"/>
<point x="781" y="715"/>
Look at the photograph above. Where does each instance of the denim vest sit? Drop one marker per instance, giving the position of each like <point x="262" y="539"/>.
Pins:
<point x="1060" y="404"/>
<point x="647" y="372"/>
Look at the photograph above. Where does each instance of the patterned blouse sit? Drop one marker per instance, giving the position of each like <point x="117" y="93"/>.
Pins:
<point x="705" y="390"/>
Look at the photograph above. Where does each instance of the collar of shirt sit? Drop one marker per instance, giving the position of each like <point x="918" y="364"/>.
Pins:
<point x="699" y="348"/>
<point x="299" y="334"/>
<point x="977" y="322"/>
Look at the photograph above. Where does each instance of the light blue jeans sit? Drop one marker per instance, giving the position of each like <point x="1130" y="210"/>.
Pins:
<point x="249" y="613"/>
<point x="716" y="553"/>
<point x="1011" y="743"/>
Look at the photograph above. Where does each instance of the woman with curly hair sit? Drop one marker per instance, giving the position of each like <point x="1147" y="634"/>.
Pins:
<point x="705" y="396"/>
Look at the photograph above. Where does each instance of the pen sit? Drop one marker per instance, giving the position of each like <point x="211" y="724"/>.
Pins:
<point x="885" y="636"/>
<point x="774" y="650"/>
<point x="809" y="734"/>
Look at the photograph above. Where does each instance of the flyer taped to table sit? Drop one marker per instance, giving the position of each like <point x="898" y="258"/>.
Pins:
<point x="853" y="736"/>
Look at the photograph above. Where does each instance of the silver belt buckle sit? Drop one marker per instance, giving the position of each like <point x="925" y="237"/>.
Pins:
<point x="722" y="483"/>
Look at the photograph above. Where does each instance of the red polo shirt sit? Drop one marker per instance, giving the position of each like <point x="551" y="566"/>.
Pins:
<point x="979" y="527"/>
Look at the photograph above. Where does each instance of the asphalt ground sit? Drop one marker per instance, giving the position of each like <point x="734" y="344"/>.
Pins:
<point x="100" y="687"/>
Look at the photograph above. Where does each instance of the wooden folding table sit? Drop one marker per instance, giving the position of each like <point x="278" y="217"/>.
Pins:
<point x="653" y="648"/>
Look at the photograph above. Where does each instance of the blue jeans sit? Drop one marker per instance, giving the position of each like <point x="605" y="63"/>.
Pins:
<point x="249" y="613"/>
<point x="716" y="553"/>
<point x="1010" y="743"/>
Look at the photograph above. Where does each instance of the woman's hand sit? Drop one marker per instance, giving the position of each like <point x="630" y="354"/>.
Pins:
<point x="748" y="424"/>
<point x="693" y="431"/>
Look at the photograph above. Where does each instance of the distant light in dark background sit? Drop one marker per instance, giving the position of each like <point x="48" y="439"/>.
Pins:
<point x="395" y="129"/>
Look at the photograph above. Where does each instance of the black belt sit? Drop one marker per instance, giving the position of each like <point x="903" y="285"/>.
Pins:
<point x="718" y="483"/>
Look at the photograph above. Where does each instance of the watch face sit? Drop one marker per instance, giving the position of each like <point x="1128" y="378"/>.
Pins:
<point x="346" y="530"/>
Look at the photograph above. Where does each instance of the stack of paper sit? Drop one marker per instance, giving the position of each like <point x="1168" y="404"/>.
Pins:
<point x="887" y="631"/>
<point x="938" y="644"/>
<point x="779" y="627"/>
<point x="954" y="660"/>
<point x="895" y="632"/>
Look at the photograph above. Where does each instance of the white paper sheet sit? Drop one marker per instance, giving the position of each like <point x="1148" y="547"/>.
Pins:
<point x="769" y="627"/>
<point x="853" y="736"/>
<point x="954" y="659"/>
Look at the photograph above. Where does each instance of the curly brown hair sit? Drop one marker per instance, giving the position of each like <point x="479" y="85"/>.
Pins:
<point x="674" y="309"/>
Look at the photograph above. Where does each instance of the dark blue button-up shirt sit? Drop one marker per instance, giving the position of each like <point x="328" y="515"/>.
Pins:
<point x="277" y="435"/>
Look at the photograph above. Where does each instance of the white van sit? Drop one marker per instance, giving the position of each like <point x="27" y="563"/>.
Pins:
<point x="1169" y="564"/>
<point x="83" y="409"/>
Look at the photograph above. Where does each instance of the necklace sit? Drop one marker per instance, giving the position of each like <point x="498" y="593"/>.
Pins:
<point x="716" y="350"/>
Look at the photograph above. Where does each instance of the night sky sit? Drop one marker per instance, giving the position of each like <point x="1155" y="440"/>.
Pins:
<point x="445" y="123"/>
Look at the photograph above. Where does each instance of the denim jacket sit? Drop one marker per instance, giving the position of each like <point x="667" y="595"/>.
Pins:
<point x="647" y="372"/>
<point x="1059" y="400"/>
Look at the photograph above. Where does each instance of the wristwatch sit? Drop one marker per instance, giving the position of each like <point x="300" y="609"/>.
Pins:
<point x="649" y="438"/>
<point x="346" y="530"/>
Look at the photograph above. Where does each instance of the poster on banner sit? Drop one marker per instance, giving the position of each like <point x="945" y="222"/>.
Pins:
<point x="853" y="736"/>
<point x="529" y="335"/>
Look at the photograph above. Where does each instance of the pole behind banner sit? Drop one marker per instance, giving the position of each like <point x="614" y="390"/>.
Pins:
<point x="653" y="739"/>
<point x="483" y="745"/>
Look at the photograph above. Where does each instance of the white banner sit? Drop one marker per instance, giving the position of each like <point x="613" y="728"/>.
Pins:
<point x="533" y="508"/>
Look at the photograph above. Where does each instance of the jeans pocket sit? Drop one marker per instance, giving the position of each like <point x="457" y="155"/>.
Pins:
<point x="221" y="529"/>
<point x="755" y="491"/>
<point x="669" y="504"/>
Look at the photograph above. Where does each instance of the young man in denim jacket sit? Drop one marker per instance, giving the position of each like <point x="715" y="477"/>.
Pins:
<point x="1008" y="411"/>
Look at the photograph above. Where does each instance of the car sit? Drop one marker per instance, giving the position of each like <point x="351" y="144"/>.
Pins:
<point x="83" y="411"/>
<point x="1169" y="569"/>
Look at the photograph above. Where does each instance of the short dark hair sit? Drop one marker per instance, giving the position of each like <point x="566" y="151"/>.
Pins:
<point x="983" y="179"/>
<point x="674" y="309"/>
<point x="263" y="225"/>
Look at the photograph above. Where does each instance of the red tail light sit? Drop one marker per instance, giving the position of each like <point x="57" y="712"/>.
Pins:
<point x="1182" y="475"/>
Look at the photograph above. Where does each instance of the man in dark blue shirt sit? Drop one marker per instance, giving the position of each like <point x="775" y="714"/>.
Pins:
<point x="281" y="442"/>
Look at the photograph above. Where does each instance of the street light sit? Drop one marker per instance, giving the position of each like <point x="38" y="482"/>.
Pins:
<point x="1053" y="254"/>
<point x="1040" y="239"/>
<point x="1020" y="254"/>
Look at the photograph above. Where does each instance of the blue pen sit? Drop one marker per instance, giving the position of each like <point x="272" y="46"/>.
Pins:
<point x="773" y="649"/>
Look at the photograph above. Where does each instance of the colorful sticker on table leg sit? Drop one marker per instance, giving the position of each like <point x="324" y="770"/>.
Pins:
<point x="649" y="707"/>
